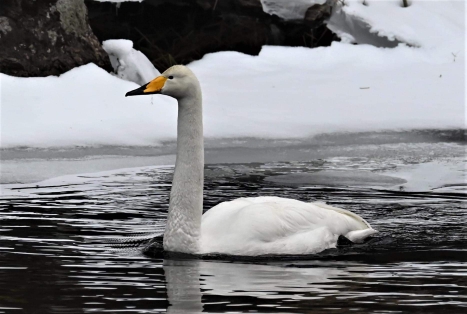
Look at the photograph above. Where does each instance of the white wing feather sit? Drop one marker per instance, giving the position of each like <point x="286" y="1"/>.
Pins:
<point x="273" y="225"/>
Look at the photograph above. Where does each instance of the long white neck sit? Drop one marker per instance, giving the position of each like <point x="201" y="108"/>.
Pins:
<point x="183" y="227"/>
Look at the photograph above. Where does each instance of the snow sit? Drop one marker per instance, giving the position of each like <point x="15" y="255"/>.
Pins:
<point x="284" y="92"/>
<point x="128" y="63"/>
<point x="297" y="92"/>
<point x="287" y="9"/>
<point x="85" y="106"/>
<point x="432" y="25"/>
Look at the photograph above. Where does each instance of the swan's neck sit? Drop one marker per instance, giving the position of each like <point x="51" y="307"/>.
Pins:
<point x="186" y="197"/>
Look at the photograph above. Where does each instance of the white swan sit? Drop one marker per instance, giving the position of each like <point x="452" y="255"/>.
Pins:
<point x="245" y="226"/>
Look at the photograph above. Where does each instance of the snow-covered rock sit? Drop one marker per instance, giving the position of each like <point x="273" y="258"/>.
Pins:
<point x="431" y="25"/>
<point x="289" y="9"/>
<point x="128" y="63"/>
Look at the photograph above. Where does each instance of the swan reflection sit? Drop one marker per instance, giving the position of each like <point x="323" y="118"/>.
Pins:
<point x="187" y="278"/>
<point x="183" y="288"/>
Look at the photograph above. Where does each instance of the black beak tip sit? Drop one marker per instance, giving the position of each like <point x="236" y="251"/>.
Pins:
<point x="140" y="91"/>
<point x="135" y="92"/>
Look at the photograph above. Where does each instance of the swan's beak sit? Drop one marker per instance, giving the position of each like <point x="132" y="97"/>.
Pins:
<point x="153" y="87"/>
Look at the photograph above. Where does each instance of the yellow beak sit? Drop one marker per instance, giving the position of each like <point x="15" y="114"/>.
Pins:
<point x="153" y="87"/>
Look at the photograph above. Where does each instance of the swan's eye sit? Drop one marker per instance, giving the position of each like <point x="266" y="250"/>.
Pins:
<point x="171" y="77"/>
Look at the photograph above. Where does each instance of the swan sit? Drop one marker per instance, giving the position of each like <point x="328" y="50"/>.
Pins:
<point x="245" y="226"/>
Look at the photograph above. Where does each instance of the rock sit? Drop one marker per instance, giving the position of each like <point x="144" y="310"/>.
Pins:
<point x="47" y="37"/>
<point x="318" y="13"/>
<point x="180" y="31"/>
<point x="249" y="4"/>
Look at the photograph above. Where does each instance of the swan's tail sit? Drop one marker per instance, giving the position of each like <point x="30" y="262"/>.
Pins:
<point x="356" y="236"/>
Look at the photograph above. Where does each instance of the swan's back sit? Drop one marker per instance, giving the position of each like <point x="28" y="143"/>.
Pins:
<point x="273" y="225"/>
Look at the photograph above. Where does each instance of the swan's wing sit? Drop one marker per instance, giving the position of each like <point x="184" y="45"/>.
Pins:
<point x="363" y="222"/>
<point x="263" y="225"/>
<point x="356" y="236"/>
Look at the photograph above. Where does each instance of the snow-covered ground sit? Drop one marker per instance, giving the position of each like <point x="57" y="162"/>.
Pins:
<point x="284" y="92"/>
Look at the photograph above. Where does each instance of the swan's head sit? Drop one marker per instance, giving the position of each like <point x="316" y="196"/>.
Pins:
<point x="177" y="82"/>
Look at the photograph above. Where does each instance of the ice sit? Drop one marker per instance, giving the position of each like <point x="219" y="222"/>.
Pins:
<point x="287" y="9"/>
<point x="336" y="178"/>
<point x="129" y="64"/>
<point x="439" y="176"/>
<point x="84" y="182"/>
<point x="443" y="175"/>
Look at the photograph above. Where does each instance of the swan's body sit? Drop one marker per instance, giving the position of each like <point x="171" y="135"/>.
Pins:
<point x="245" y="226"/>
<point x="274" y="225"/>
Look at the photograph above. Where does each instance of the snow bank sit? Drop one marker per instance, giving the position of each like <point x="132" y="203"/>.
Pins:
<point x="85" y="106"/>
<point x="432" y="25"/>
<point x="287" y="9"/>
<point x="284" y="92"/>
<point x="294" y="92"/>
<point x="129" y="64"/>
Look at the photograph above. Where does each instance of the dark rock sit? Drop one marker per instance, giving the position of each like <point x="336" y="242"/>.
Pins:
<point x="249" y="4"/>
<point x="180" y="31"/>
<point x="47" y="37"/>
<point x="317" y="13"/>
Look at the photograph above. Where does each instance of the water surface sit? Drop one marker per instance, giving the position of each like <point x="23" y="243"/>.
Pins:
<point x="74" y="244"/>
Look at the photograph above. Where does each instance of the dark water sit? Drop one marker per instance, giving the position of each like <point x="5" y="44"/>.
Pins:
<point x="74" y="245"/>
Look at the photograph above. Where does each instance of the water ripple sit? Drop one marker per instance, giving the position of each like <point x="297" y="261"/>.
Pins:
<point x="74" y="245"/>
